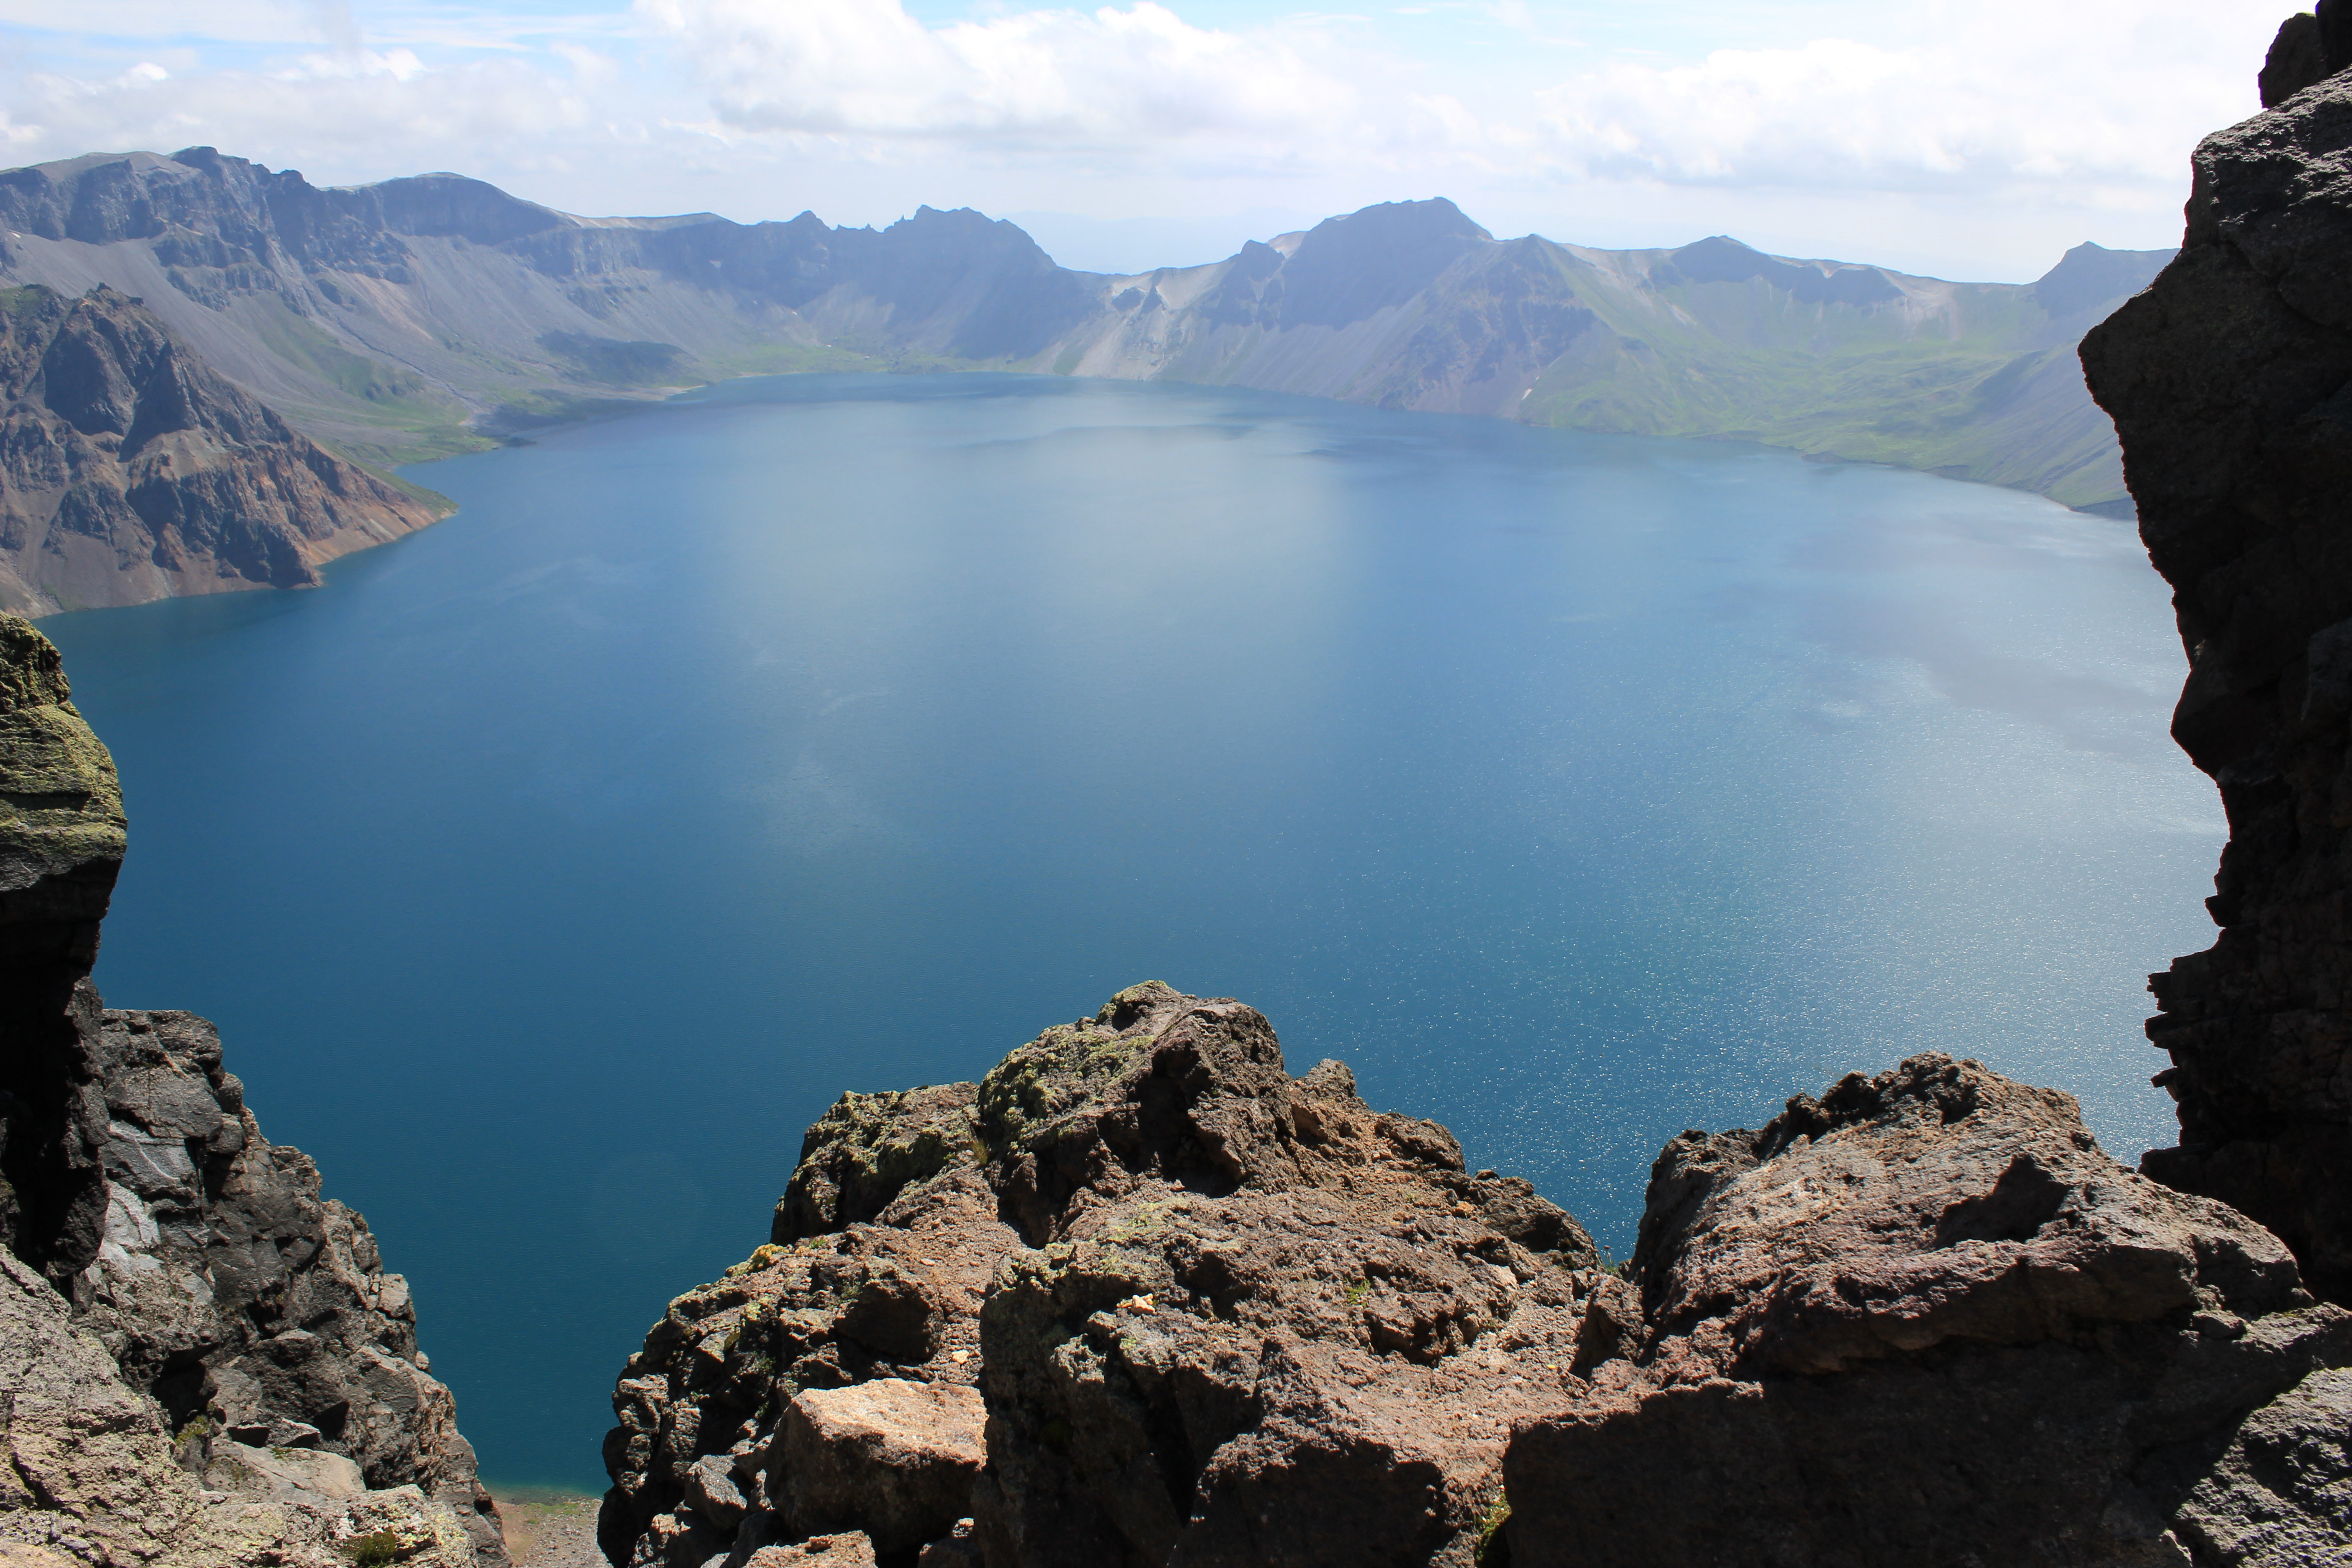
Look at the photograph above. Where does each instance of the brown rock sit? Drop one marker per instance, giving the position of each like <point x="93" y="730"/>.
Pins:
<point x="1243" y="1316"/>
<point x="1266" y="1324"/>
<point x="852" y="1551"/>
<point x="2226" y="381"/>
<point x="1926" y="1321"/>
<point x="130" y="469"/>
<point x="957" y="1549"/>
<point x="894" y="1456"/>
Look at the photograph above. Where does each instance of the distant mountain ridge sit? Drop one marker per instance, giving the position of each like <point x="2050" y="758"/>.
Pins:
<point x="418" y="316"/>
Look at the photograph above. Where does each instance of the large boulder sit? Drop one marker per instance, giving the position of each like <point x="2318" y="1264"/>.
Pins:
<point x="1926" y="1320"/>
<point x="894" y="1456"/>
<point x="2229" y="380"/>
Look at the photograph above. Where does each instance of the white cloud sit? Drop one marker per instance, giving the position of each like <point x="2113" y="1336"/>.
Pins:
<point x="356" y="99"/>
<point x="2088" y="93"/>
<point x="1114" y="78"/>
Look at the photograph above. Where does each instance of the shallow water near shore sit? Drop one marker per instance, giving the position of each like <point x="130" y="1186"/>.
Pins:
<point x="550" y="871"/>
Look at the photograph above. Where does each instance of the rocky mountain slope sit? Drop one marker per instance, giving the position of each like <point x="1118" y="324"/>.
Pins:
<point x="2229" y="380"/>
<point x="386" y="318"/>
<point x="1141" y="1298"/>
<point x="202" y="1361"/>
<point x="132" y="470"/>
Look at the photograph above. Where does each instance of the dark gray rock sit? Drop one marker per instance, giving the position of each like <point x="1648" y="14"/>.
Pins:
<point x="2282" y="1492"/>
<point x="61" y="842"/>
<point x="243" y="1302"/>
<point x="2229" y="380"/>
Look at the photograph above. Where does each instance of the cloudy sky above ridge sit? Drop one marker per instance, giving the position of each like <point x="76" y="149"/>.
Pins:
<point x="1965" y="139"/>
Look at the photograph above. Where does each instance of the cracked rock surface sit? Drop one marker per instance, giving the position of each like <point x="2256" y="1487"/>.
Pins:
<point x="2229" y="380"/>
<point x="1924" y="1319"/>
<point x="1212" y="1312"/>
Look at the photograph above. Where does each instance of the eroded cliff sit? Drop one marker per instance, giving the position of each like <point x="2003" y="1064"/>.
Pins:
<point x="2230" y="383"/>
<point x="202" y="1361"/>
<point x="130" y="470"/>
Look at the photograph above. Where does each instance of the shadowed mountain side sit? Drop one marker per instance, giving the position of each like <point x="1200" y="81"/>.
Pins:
<point x="416" y="317"/>
<point x="130" y="470"/>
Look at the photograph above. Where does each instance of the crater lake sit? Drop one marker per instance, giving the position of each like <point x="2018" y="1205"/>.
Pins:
<point x="548" y="871"/>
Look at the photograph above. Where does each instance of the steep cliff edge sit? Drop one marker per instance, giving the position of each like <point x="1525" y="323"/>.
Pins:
<point x="202" y="1359"/>
<point x="130" y="470"/>
<point x="2230" y="383"/>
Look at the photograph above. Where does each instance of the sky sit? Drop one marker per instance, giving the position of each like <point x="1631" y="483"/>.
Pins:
<point x="1972" y="138"/>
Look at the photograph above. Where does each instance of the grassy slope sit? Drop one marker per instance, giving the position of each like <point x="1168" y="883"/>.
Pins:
<point x="1848" y="383"/>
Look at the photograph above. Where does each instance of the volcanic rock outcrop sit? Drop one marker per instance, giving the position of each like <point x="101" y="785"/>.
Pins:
<point x="1212" y="1313"/>
<point x="201" y="1361"/>
<point x="1926" y="1321"/>
<point x="130" y="469"/>
<point x="1141" y="1298"/>
<point x="2229" y="380"/>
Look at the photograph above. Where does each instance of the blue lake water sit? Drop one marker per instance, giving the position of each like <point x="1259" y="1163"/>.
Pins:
<point x="548" y="871"/>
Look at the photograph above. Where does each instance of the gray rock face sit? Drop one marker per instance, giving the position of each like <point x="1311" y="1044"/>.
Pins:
<point x="2228" y="380"/>
<point x="1927" y="1320"/>
<point x="90" y="1477"/>
<point x="227" y="1289"/>
<point x="61" y="841"/>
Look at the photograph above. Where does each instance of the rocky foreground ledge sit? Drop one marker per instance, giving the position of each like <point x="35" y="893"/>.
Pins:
<point x="204" y="1363"/>
<point x="1140" y="1297"/>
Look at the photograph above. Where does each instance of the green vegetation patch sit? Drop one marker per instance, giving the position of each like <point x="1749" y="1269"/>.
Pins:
<point x="375" y="1549"/>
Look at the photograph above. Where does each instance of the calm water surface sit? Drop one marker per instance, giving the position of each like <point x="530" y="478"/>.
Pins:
<point x="548" y="872"/>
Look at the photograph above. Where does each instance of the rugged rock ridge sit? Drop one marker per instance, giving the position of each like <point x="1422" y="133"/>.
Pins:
<point x="1212" y="1312"/>
<point x="2229" y="381"/>
<point x="1142" y="1298"/>
<point x="130" y="469"/>
<point x="202" y="1362"/>
<point x="382" y="318"/>
<point x="1926" y="1321"/>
